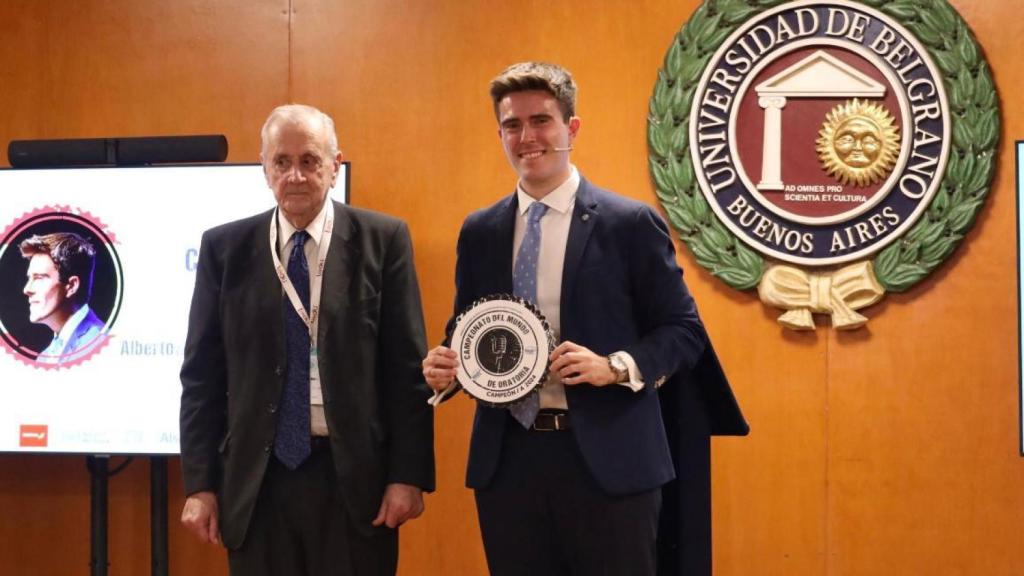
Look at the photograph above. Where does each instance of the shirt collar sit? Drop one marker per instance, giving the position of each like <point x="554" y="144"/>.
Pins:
<point x="315" y="228"/>
<point x="560" y="199"/>
<point x="71" y="325"/>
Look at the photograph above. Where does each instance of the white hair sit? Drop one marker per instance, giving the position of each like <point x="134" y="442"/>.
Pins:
<point x="298" y="113"/>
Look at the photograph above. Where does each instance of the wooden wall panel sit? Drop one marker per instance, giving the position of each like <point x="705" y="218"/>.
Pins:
<point x="925" y="471"/>
<point x="891" y="450"/>
<point x="107" y="68"/>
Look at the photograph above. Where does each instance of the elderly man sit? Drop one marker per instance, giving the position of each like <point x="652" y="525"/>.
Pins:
<point x="305" y="436"/>
<point x="58" y="287"/>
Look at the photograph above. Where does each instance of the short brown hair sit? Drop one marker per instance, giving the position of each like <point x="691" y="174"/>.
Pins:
<point x="550" y="78"/>
<point x="72" y="255"/>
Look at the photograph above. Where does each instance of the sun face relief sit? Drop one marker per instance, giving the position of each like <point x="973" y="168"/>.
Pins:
<point x="858" y="144"/>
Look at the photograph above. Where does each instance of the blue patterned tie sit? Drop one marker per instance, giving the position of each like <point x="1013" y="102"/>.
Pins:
<point x="524" y="285"/>
<point x="291" y="445"/>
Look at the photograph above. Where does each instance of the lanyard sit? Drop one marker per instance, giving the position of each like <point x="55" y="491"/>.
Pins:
<point x="312" y="319"/>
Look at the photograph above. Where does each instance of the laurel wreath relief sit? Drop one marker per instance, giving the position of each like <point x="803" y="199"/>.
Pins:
<point x="975" y="134"/>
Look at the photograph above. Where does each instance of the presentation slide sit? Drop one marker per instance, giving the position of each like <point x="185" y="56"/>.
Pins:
<point x="94" y="369"/>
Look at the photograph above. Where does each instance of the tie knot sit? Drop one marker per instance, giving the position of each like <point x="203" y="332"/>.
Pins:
<point x="535" y="212"/>
<point x="300" y="238"/>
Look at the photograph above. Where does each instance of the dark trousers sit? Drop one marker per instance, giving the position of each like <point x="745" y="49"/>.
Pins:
<point x="300" y="527"/>
<point x="543" y="514"/>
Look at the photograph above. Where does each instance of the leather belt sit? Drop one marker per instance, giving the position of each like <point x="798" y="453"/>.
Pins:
<point x="551" y="421"/>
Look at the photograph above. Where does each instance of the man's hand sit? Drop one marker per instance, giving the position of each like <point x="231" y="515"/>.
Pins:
<point x="200" y="516"/>
<point x="576" y="364"/>
<point x="439" y="367"/>
<point x="401" y="502"/>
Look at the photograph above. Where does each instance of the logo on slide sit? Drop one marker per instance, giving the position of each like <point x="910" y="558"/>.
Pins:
<point x="33" y="436"/>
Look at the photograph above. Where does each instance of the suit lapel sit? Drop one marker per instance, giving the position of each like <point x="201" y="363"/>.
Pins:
<point x="504" y="223"/>
<point x="584" y="218"/>
<point x="337" y="270"/>
<point x="267" y="290"/>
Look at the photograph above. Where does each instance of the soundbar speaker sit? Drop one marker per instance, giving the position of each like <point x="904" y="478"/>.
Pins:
<point x="117" y="151"/>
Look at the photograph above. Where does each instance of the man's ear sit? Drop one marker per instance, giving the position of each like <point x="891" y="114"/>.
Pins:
<point x="337" y="160"/>
<point x="71" y="286"/>
<point x="266" y="171"/>
<point x="574" y="126"/>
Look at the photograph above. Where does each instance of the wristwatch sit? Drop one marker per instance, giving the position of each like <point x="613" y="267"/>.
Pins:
<point x="618" y="368"/>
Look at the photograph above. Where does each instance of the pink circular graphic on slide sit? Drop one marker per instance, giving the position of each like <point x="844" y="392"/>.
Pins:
<point x="61" y="287"/>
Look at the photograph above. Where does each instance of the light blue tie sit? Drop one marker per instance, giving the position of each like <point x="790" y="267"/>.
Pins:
<point x="524" y="285"/>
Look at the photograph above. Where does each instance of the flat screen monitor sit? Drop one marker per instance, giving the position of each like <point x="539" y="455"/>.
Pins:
<point x="104" y="378"/>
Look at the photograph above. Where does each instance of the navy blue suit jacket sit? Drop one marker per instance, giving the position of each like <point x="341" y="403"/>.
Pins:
<point x="621" y="290"/>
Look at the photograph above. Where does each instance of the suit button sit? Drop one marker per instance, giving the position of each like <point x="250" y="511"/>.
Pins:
<point x="272" y="408"/>
<point x="279" y="371"/>
<point x="267" y="447"/>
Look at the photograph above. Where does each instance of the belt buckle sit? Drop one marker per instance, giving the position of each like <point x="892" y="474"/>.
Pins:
<point x="558" y="422"/>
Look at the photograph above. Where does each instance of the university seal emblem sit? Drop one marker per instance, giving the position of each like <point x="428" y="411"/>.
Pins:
<point x="824" y="152"/>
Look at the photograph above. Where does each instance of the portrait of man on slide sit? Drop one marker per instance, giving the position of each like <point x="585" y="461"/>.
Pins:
<point x="58" y="286"/>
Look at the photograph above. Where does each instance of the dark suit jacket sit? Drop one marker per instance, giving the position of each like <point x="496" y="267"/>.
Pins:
<point x="371" y="341"/>
<point x="621" y="290"/>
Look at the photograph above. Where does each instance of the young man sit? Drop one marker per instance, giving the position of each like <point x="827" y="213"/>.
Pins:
<point x="59" y="284"/>
<point x="577" y="488"/>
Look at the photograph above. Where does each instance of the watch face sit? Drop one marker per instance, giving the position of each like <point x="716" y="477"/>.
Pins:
<point x="617" y="364"/>
<point x="619" y="368"/>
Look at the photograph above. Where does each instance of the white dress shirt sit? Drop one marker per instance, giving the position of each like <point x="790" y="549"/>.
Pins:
<point x="554" y="236"/>
<point x="54" y="353"/>
<point x="317" y="420"/>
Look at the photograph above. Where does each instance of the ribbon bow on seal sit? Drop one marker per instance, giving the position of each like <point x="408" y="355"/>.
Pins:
<point x="837" y="292"/>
